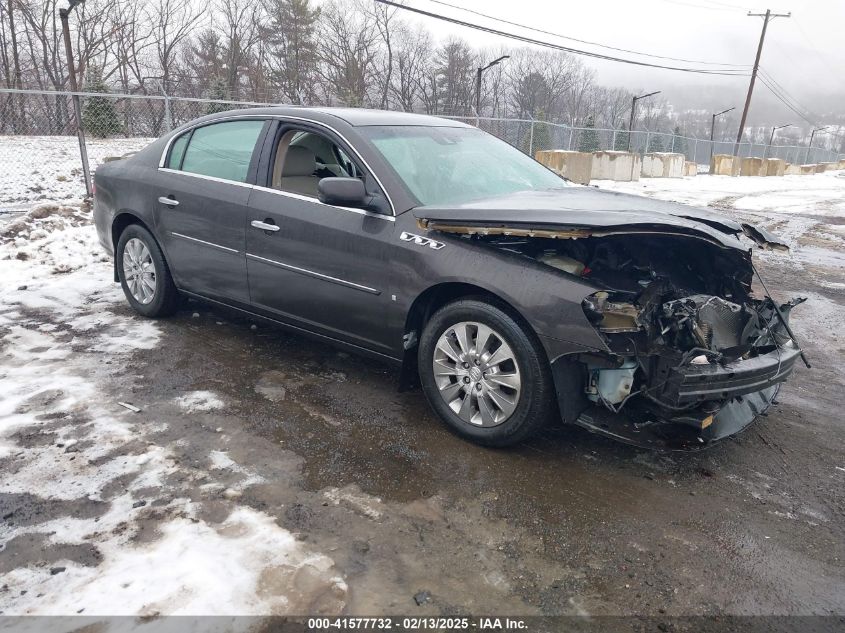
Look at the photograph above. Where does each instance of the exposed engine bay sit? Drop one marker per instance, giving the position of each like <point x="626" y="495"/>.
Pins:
<point x="687" y="339"/>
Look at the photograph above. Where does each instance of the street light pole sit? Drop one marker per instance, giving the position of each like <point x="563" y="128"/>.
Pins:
<point x="713" y="128"/>
<point x="633" y="111"/>
<point x="810" y="144"/>
<point x="772" y="138"/>
<point x="74" y="87"/>
<point x="479" y="71"/>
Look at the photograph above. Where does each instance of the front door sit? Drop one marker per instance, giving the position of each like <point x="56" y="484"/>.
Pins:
<point x="315" y="265"/>
<point x="201" y="200"/>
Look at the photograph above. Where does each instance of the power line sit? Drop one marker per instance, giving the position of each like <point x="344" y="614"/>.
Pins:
<point x="588" y="42"/>
<point x="785" y="93"/>
<point x="780" y="98"/>
<point x="567" y="49"/>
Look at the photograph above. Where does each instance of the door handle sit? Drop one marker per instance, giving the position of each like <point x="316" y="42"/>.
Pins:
<point x="170" y="202"/>
<point x="258" y="224"/>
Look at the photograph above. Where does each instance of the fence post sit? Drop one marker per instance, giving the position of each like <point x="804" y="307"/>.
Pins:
<point x="673" y="143"/>
<point x="531" y="140"/>
<point x="613" y="142"/>
<point x="168" y="117"/>
<point x="77" y="107"/>
<point x="647" y="141"/>
<point x="569" y="147"/>
<point x="695" y="151"/>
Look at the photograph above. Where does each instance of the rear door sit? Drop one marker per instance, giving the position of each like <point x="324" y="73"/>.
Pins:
<point x="201" y="203"/>
<point x="318" y="266"/>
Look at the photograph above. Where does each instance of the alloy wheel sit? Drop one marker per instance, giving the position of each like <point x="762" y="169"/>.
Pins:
<point x="476" y="373"/>
<point x="139" y="271"/>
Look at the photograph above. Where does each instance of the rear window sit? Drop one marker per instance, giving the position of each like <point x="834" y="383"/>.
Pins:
<point x="222" y="150"/>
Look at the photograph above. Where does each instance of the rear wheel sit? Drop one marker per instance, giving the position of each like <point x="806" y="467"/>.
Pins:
<point x="143" y="273"/>
<point x="485" y="374"/>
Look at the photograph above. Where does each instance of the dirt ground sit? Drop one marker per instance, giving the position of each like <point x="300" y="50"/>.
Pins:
<point x="417" y="521"/>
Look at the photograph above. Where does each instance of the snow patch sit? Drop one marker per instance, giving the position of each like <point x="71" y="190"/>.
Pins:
<point x="199" y="402"/>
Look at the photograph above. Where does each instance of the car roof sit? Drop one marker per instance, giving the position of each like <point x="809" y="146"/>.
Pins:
<point x="358" y="117"/>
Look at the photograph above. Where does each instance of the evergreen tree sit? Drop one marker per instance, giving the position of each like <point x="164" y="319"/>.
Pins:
<point x="621" y="144"/>
<point x="219" y="91"/>
<point x="656" y="143"/>
<point x="294" y="55"/>
<point x="99" y="116"/>
<point x="589" y="141"/>
<point x="680" y="144"/>
<point x="540" y="139"/>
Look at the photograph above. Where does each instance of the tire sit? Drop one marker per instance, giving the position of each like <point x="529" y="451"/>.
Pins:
<point x="144" y="258"/>
<point x="522" y="384"/>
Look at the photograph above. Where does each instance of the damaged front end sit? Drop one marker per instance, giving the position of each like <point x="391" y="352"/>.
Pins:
<point x="688" y="369"/>
<point x="692" y="354"/>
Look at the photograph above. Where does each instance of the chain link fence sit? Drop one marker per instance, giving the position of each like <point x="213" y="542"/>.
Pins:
<point x="41" y="157"/>
<point x="532" y="136"/>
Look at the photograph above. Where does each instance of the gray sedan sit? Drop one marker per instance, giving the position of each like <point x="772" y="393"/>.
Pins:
<point x="512" y="297"/>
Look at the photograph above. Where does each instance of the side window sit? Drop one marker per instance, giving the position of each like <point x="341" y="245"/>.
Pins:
<point x="302" y="158"/>
<point x="222" y="150"/>
<point x="177" y="151"/>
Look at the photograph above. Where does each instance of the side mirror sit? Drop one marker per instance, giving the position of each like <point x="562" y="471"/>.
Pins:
<point x="343" y="192"/>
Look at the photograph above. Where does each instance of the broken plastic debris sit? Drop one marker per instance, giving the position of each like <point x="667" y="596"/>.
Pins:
<point x="701" y="359"/>
<point x="131" y="407"/>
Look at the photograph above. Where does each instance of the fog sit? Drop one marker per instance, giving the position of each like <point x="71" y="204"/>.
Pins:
<point x="803" y="53"/>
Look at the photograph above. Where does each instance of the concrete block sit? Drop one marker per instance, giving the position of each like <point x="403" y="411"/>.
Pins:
<point x="620" y="166"/>
<point x="841" y="164"/>
<point x="807" y="170"/>
<point x="820" y="168"/>
<point x="773" y="167"/>
<point x="792" y="170"/>
<point x="724" y="165"/>
<point x="663" y="165"/>
<point x="751" y="167"/>
<point x="829" y="166"/>
<point x="690" y="169"/>
<point x="577" y="166"/>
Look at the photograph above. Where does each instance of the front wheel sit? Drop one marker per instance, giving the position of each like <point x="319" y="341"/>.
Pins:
<point x="143" y="273"/>
<point x="485" y="374"/>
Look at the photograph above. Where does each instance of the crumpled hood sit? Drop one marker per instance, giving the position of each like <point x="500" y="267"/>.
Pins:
<point x="590" y="211"/>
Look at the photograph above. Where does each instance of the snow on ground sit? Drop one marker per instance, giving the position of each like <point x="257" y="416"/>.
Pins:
<point x="62" y="323"/>
<point x="37" y="168"/>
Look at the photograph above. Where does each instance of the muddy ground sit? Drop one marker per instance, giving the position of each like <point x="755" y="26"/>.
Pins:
<point x="418" y="521"/>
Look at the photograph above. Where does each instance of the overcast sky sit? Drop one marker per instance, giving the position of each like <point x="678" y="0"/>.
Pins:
<point x="804" y="53"/>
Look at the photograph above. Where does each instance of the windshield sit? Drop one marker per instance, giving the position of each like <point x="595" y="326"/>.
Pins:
<point x="450" y="165"/>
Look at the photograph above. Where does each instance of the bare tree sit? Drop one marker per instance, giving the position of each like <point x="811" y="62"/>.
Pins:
<point x="348" y="50"/>
<point x="412" y="60"/>
<point x="173" y="23"/>
<point x="239" y="28"/>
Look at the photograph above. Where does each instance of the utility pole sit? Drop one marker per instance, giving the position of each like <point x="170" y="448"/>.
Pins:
<point x="713" y="129"/>
<point x="810" y="144"/>
<point x="633" y="110"/>
<point x="479" y="71"/>
<point x="772" y="138"/>
<point x="768" y="15"/>
<point x="74" y="87"/>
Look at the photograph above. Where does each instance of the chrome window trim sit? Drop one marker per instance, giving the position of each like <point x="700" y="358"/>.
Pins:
<point x="204" y="177"/>
<point x="311" y="273"/>
<point x="280" y="117"/>
<point x="203" y="242"/>
<point x="298" y="196"/>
